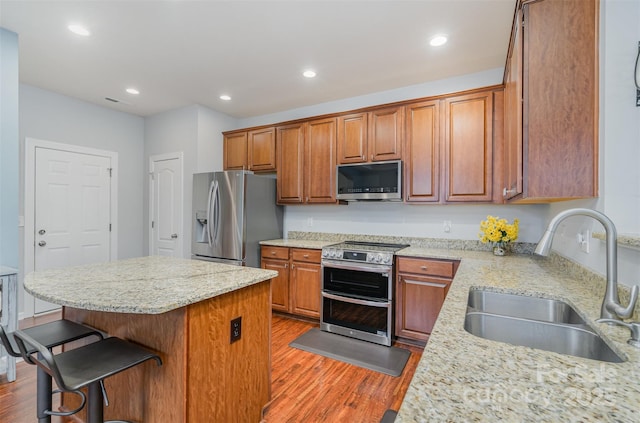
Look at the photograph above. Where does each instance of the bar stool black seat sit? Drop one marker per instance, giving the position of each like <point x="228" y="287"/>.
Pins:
<point x="86" y="366"/>
<point x="50" y="335"/>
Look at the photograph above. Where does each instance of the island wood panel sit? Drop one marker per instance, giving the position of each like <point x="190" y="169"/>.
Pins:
<point x="203" y="376"/>
<point x="229" y="382"/>
<point x="135" y="393"/>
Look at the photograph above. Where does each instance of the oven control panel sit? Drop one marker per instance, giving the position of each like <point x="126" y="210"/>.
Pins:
<point x="358" y="256"/>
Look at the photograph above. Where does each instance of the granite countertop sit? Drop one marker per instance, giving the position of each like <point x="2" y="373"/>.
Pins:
<point x="145" y="285"/>
<point x="297" y="243"/>
<point x="462" y="377"/>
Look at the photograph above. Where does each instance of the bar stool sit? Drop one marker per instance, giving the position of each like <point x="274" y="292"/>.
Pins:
<point x="50" y="335"/>
<point x="86" y="366"/>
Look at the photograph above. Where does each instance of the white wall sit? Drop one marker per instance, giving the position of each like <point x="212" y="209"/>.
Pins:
<point x="9" y="168"/>
<point x="619" y="147"/>
<point x="195" y="131"/>
<point x="53" y="117"/>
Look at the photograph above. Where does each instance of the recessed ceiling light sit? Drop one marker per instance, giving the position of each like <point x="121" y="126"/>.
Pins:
<point x="133" y="91"/>
<point x="225" y="97"/>
<point x="79" y="30"/>
<point x="309" y="74"/>
<point x="438" y="40"/>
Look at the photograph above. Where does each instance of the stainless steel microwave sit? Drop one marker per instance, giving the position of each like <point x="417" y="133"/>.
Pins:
<point x="369" y="181"/>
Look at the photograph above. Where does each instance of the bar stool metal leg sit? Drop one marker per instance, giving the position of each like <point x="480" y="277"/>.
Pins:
<point x="94" y="404"/>
<point x="43" y="401"/>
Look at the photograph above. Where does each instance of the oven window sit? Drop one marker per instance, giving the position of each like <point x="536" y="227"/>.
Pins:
<point x="355" y="316"/>
<point x="356" y="283"/>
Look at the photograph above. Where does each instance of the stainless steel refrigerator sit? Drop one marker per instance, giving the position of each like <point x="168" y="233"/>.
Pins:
<point x="232" y="212"/>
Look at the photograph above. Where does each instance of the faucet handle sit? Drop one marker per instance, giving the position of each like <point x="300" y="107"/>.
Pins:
<point x="634" y="327"/>
<point x="625" y="312"/>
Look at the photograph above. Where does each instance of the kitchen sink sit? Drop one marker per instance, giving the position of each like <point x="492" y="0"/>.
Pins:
<point x="550" y="325"/>
<point x="514" y="305"/>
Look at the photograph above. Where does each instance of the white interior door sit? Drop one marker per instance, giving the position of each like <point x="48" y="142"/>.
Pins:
<point x="166" y="205"/>
<point x="72" y="211"/>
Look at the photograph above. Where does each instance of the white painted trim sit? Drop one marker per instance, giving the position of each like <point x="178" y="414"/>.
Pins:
<point x="179" y="155"/>
<point x="31" y="144"/>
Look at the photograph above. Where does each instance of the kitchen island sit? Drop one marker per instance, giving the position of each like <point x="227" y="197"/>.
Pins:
<point x="181" y="309"/>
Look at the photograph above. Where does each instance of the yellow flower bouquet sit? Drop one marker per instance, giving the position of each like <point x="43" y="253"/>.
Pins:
<point x="499" y="232"/>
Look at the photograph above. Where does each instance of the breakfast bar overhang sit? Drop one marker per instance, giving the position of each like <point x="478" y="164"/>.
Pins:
<point x="181" y="309"/>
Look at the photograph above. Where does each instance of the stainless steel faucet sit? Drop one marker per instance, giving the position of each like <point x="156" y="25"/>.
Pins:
<point x="611" y="307"/>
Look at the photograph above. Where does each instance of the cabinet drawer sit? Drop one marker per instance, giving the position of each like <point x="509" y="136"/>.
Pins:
<point x="311" y="256"/>
<point x="268" y="251"/>
<point x="442" y="268"/>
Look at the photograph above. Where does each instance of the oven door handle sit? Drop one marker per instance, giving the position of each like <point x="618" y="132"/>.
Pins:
<point x="384" y="270"/>
<point x="356" y="301"/>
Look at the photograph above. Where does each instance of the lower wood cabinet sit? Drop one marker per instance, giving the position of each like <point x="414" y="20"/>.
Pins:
<point x="421" y="288"/>
<point x="296" y="289"/>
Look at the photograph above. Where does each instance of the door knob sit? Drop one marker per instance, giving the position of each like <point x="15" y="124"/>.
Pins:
<point x="174" y="236"/>
<point x="42" y="232"/>
<point x="42" y="243"/>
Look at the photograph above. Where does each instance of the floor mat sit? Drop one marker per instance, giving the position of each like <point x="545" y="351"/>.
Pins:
<point x="388" y="360"/>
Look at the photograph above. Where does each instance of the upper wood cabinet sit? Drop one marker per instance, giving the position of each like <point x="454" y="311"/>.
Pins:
<point x="251" y="150"/>
<point x="261" y="146"/>
<point x="306" y="162"/>
<point x="468" y="147"/>
<point x="422" y="152"/>
<point x="290" y="161"/>
<point x="551" y="151"/>
<point x="235" y="151"/>
<point x="371" y="136"/>
<point x="320" y="161"/>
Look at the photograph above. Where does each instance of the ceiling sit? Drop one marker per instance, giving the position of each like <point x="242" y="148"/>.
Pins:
<point x="183" y="52"/>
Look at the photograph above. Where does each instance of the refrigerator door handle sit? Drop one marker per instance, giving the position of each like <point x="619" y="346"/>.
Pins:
<point x="212" y="188"/>
<point x="216" y="212"/>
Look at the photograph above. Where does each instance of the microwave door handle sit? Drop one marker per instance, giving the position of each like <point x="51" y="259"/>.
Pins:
<point x="355" y="300"/>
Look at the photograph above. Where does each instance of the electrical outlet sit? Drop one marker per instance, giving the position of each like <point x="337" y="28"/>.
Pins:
<point x="447" y="226"/>
<point x="236" y="329"/>
<point x="309" y="222"/>
<point x="583" y="240"/>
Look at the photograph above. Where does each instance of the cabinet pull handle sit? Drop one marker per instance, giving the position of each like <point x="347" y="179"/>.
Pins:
<point x="306" y="256"/>
<point x="273" y="253"/>
<point x="286" y="265"/>
<point x="423" y="267"/>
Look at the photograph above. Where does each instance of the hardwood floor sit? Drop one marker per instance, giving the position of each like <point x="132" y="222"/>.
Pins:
<point x="306" y="387"/>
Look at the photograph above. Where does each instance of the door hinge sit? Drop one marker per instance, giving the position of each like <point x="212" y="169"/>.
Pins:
<point x="152" y="224"/>
<point x="110" y="169"/>
<point x="109" y="227"/>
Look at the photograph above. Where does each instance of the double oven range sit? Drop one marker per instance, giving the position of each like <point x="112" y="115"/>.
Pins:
<point x="358" y="291"/>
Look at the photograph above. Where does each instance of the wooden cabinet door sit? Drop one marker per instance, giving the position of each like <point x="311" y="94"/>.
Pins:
<point x="385" y="134"/>
<point x="469" y="147"/>
<point x="262" y="149"/>
<point x="290" y="146"/>
<point x="305" y="289"/>
<point x="279" y="284"/>
<point x="235" y="151"/>
<point x="418" y="301"/>
<point x="352" y="138"/>
<point x="512" y="161"/>
<point x="320" y="161"/>
<point x="422" y="152"/>
<point x="560" y="92"/>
